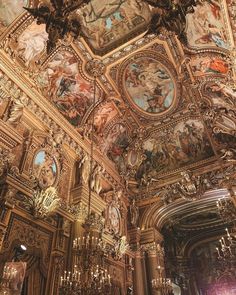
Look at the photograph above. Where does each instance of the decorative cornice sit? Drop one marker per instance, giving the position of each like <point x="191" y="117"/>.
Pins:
<point x="13" y="82"/>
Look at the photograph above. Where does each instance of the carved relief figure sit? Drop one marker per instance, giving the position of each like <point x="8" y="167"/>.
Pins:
<point x="62" y="83"/>
<point x="96" y="185"/>
<point x="45" y="169"/>
<point x="84" y="166"/>
<point x="205" y="27"/>
<point x="149" y="85"/>
<point x="134" y="213"/>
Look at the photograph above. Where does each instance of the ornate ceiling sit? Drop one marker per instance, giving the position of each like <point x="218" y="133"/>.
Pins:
<point x="161" y="107"/>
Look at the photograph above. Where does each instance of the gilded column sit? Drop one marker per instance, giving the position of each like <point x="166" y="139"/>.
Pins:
<point x="140" y="286"/>
<point x="155" y="265"/>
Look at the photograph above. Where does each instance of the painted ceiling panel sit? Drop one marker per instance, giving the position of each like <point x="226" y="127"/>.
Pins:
<point x="157" y="100"/>
<point x="62" y="83"/>
<point x="108" y="23"/>
<point x="206" y="26"/>
<point x="10" y="10"/>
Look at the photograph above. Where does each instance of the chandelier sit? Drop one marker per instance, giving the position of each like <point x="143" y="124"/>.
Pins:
<point x="162" y="284"/>
<point x="227" y="247"/>
<point x="171" y="16"/>
<point x="88" y="276"/>
<point x="226" y="210"/>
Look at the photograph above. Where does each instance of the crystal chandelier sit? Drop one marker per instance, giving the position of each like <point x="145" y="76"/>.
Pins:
<point x="227" y="247"/>
<point x="88" y="276"/>
<point x="162" y="284"/>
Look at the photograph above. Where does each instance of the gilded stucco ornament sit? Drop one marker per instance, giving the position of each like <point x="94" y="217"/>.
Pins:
<point x="120" y="248"/>
<point x="191" y="187"/>
<point x="95" y="68"/>
<point x="43" y="202"/>
<point x="6" y="160"/>
<point x="94" y="222"/>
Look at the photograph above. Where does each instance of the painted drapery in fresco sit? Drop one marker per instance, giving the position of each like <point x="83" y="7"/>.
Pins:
<point x="10" y="10"/>
<point x="64" y="86"/>
<point x="32" y="42"/>
<point x="149" y="85"/>
<point x="205" y="27"/>
<point x="182" y="145"/>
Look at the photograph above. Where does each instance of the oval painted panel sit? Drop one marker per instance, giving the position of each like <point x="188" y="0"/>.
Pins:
<point x="45" y="169"/>
<point x="149" y="85"/>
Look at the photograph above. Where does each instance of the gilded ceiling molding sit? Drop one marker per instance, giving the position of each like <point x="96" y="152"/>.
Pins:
<point x="202" y="238"/>
<point x="158" y="215"/>
<point x="133" y="46"/>
<point x="9" y="137"/>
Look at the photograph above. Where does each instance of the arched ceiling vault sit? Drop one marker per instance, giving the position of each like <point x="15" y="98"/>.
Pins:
<point x="158" y="216"/>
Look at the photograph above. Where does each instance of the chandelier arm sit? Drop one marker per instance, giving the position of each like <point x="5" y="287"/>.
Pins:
<point x="91" y="146"/>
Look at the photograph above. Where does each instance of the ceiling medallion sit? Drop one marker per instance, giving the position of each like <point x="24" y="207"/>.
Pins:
<point x="148" y="83"/>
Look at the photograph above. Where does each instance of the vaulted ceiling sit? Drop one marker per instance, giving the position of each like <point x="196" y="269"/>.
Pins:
<point x="161" y="107"/>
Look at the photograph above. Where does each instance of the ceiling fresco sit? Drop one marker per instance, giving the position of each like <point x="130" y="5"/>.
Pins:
<point x="10" y="10"/>
<point x="107" y="23"/>
<point x="31" y="43"/>
<point x="177" y="146"/>
<point x="206" y="65"/>
<point x="155" y="97"/>
<point x="63" y="84"/>
<point x="148" y="84"/>
<point x="206" y="26"/>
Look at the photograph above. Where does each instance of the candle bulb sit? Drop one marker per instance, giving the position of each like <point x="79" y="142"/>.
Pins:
<point x="223" y="241"/>
<point x="227" y="232"/>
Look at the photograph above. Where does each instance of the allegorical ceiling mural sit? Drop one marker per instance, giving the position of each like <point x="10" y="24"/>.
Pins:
<point x="178" y="145"/>
<point x="206" y="26"/>
<point x="148" y="84"/>
<point x="62" y="82"/>
<point x="107" y="24"/>
<point x="161" y="106"/>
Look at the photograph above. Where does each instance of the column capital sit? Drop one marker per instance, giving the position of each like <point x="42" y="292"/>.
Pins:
<point x="151" y="235"/>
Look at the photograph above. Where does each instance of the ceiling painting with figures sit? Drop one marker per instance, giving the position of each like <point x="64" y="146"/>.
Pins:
<point x="149" y="85"/>
<point x="154" y="92"/>
<point x="106" y="23"/>
<point x="125" y="109"/>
